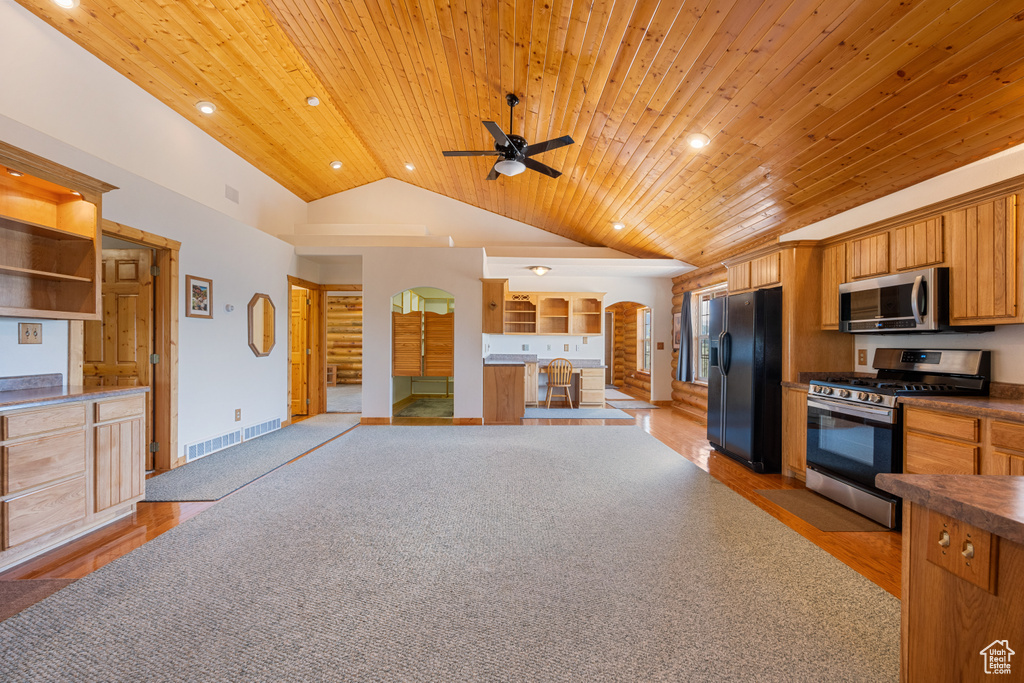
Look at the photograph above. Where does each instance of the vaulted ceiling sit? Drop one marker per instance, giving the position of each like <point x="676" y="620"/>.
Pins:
<point x="812" y="106"/>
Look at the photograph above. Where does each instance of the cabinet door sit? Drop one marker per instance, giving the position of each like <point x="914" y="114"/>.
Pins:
<point x="833" y="274"/>
<point x="530" y="384"/>
<point x="739" y="277"/>
<point x="919" y="245"/>
<point x="868" y="256"/>
<point x="984" y="266"/>
<point x="494" y="292"/>
<point x="932" y="455"/>
<point x="794" y="431"/>
<point x="120" y="462"/>
<point x="765" y="271"/>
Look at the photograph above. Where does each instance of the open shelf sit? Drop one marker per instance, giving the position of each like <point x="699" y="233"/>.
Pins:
<point x="42" y="274"/>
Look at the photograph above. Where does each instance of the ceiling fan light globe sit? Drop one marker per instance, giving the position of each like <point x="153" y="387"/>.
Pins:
<point x="509" y="167"/>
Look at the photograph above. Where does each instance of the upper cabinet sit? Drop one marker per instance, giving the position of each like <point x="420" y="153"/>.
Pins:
<point x="919" y="245"/>
<point x="49" y="239"/>
<point x="985" y="284"/>
<point x="505" y="312"/>
<point x="833" y="274"/>
<point x="868" y="256"/>
<point x="757" y="273"/>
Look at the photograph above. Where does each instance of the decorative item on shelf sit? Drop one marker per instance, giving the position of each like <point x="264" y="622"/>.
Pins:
<point x="539" y="270"/>
<point x="261" y="325"/>
<point x="200" y="297"/>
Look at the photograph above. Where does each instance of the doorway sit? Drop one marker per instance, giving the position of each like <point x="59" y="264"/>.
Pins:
<point x="305" y="349"/>
<point x="423" y="356"/>
<point x="343" y="349"/>
<point x="632" y="352"/>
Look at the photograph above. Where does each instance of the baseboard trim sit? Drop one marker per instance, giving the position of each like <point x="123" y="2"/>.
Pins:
<point x="469" y="421"/>
<point x="375" y="420"/>
<point x="693" y="415"/>
<point x="662" y="404"/>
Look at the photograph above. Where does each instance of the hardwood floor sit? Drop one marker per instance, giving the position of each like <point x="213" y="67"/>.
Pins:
<point x="875" y="555"/>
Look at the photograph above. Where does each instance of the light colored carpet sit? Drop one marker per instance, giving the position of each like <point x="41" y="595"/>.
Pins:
<point x="469" y="553"/>
<point x="616" y="394"/>
<point x="217" y="475"/>
<point x="429" y="407"/>
<point x="576" y="414"/>
<point x="19" y="594"/>
<point x="345" y="398"/>
<point x="632" y="405"/>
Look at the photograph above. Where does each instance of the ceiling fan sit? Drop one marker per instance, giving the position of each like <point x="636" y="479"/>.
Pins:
<point x="515" y="153"/>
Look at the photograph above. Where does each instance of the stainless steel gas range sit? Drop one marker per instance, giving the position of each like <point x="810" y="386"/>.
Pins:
<point x="855" y="424"/>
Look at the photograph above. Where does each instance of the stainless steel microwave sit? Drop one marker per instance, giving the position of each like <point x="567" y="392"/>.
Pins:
<point x="916" y="301"/>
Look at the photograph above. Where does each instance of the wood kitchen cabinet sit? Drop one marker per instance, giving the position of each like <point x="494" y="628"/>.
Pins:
<point x="504" y="394"/>
<point x="591" y="388"/>
<point x="833" y="274"/>
<point x="919" y="245"/>
<point x="494" y="293"/>
<point x="985" y="252"/>
<point x="868" y="256"/>
<point x="794" y="432"/>
<point x="546" y="313"/>
<point x="940" y="443"/>
<point x="530" y="377"/>
<point x="120" y="435"/>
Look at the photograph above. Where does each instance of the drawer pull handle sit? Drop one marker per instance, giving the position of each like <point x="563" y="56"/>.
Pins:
<point x="944" y="539"/>
<point x="968" y="550"/>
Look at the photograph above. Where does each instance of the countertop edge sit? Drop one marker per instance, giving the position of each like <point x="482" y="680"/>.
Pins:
<point x="32" y="398"/>
<point x="968" y="405"/>
<point x="928" y="490"/>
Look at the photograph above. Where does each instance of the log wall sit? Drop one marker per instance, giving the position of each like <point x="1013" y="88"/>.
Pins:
<point x="625" y="372"/>
<point x="691" y="398"/>
<point x="345" y="337"/>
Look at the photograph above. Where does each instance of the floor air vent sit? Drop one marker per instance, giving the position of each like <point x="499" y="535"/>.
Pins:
<point x="262" y="428"/>
<point x="212" y="445"/>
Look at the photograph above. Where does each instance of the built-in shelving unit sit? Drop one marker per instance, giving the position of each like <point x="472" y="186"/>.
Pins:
<point x="49" y="239"/>
<point x="521" y="314"/>
<point x="553" y="315"/>
<point x="586" y="315"/>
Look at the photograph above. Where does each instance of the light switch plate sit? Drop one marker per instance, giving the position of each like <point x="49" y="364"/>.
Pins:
<point x="238" y="414"/>
<point x="566" y="347"/>
<point x="862" y="356"/>
<point x="30" y="333"/>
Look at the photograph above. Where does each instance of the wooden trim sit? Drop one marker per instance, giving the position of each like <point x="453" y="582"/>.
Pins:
<point x="249" y="318"/>
<point x="989" y="192"/>
<point x="467" y="421"/>
<point x="90" y="188"/>
<point x="76" y="353"/>
<point x="142" y="237"/>
<point x="305" y="284"/>
<point x="341" y="288"/>
<point x="316" y="380"/>
<point x="375" y="420"/>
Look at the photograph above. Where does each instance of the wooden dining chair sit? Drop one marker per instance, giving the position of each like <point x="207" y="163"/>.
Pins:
<point x="559" y="377"/>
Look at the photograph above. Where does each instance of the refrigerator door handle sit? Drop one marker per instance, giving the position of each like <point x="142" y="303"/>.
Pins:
<point x="725" y="344"/>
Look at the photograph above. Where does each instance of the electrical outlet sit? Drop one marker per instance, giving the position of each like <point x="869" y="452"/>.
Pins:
<point x="862" y="356"/>
<point x="577" y="347"/>
<point x="566" y="347"/>
<point x="30" y="333"/>
<point x="526" y="347"/>
<point x="661" y="346"/>
<point x="238" y="414"/>
<point x="549" y="347"/>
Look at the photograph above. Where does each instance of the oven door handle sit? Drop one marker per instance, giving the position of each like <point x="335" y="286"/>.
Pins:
<point x="917" y="307"/>
<point x="887" y="415"/>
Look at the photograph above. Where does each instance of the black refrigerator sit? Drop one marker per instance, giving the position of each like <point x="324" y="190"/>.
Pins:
<point x="745" y="378"/>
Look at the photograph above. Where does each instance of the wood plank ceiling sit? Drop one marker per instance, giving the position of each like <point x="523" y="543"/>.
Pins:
<point x="813" y="106"/>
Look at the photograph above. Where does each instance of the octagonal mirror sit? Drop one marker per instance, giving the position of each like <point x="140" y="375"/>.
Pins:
<point x="261" y="325"/>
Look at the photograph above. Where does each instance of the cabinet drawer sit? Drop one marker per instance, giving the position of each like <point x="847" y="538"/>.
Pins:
<point x="592" y="382"/>
<point x="36" y="462"/>
<point x="592" y="396"/>
<point x="1008" y="435"/>
<point x="120" y="408"/>
<point x="943" y="424"/>
<point x="43" y="511"/>
<point x="29" y="422"/>
<point x="928" y="455"/>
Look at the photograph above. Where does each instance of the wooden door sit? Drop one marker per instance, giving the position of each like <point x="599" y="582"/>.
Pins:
<point x="118" y="346"/>
<point x="300" y="350"/>
<point x="984" y="261"/>
<point x="407" y="344"/>
<point x="439" y="344"/>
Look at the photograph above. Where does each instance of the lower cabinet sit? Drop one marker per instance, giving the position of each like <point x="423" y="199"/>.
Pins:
<point x="530" y="384"/>
<point x="794" y="432"/>
<point x="67" y="468"/>
<point x="591" y="388"/>
<point x="503" y="394"/>
<point x="940" y="442"/>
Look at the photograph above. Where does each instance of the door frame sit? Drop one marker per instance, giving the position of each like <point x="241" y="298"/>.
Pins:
<point x="164" y="375"/>
<point x="316" y="381"/>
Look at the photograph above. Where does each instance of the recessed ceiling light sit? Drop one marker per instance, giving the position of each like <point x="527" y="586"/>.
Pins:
<point x="66" y="4"/>
<point x="206" y="107"/>
<point x="312" y="101"/>
<point x="410" y="167"/>
<point x="618" y="226"/>
<point x="16" y="174"/>
<point x="335" y="165"/>
<point x="698" y="140"/>
<point x="539" y="270"/>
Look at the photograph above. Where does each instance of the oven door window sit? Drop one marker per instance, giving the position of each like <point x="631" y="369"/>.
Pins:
<point x="853" y="447"/>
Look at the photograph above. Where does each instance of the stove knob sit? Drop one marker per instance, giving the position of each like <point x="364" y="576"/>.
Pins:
<point x="876" y="398"/>
<point x="826" y="390"/>
<point x="844" y="393"/>
<point x="862" y="396"/>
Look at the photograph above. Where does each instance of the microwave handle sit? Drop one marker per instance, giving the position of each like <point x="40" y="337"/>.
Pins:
<point x="918" y="306"/>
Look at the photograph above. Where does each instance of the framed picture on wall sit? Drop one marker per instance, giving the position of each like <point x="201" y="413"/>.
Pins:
<point x="200" y="297"/>
<point x="676" y="324"/>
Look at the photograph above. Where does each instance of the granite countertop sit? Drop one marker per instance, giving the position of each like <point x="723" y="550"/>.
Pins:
<point x="976" y="406"/>
<point x="576" y="362"/>
<point x="992" y="503"/>
<point x="39" y="396"/>
<point x="510" y="359"/>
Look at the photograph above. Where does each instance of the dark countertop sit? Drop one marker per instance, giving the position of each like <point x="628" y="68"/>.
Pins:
<point x="976" y="406"/>
<point x="576" y="362"/>
<point x="29" y="398"/>
<point x="992" y="503"/>
<point x="796" y="385"/>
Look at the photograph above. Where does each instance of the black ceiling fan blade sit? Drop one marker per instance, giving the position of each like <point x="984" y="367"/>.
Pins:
<point x="547" y="145"/>
<point x="482" y="153"/>
<point x="498" y="134"/>
<point x="493" y="175"/>
<point x="534" y="165"/>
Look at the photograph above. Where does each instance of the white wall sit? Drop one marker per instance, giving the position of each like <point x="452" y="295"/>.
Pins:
<point x="1006" y="344"/>
<point x="62" y="90"/>
<point x="539" y="345"/>
<point x="34" y="359"/>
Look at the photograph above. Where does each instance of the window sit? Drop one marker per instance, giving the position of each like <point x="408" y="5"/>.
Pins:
<point x="701" y="317"/>
<point x="643" y="339"/>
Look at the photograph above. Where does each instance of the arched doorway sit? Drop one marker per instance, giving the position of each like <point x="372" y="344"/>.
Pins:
<point x="629" y="349"/>
<point x="422" y="356"/>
